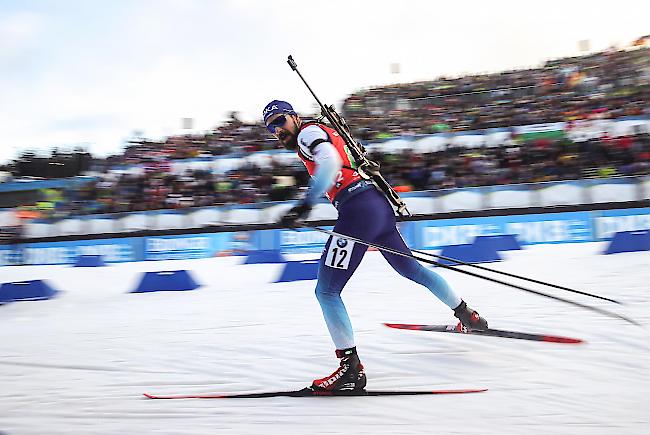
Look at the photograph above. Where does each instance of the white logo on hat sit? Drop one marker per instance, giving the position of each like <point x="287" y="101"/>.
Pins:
<point x="270" y="109"/>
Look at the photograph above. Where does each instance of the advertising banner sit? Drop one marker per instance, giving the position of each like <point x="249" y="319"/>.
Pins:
<point x="307" y="241"/>
<point x="112" y="251"/>
<point x="609" y="222"/>
<point x="553" y="130"/>
<point x="569" y="227"/>
<point x="9" y="254"/>
<point x="192" y="246"/>
<point x="529" y="229"/>
<point x="302" y="241"/>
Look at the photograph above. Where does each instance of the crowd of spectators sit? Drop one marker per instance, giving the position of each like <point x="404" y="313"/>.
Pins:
<point x="158" y="189"/>
<point x="540" y="160"/>
<point x="604" y="85"/>
<point x="234" y="137"/>
<point x="609" y="84"/>
<point x="516" y="161"/>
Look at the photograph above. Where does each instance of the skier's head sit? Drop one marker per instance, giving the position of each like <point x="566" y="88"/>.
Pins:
<point x="281" y="120"/>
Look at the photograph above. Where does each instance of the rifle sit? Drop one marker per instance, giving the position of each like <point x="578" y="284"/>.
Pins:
<point x="367" y="169"/>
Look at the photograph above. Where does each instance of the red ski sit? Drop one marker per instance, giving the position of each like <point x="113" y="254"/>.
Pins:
<point x="488" y="332"/>
<point x="308" y="392"/>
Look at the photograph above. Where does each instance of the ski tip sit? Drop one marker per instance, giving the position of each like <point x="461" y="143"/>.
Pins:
<point x="198" y="396"/>
<point x="558" y="339"/>
<point x="403" y="326"/>
<point x="465" y="391"/>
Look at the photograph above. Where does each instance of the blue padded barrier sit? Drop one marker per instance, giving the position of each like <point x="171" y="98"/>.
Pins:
<point x="34" y="290"/>
<point x="265" y="257"/>
<point x="176" y="280"/>
<point x="89" y="261"/>
<point x="299" y="270"/>
<point x="629" y="241"/>
<point x="500" y="242"/>
<point x="469" y="254"/>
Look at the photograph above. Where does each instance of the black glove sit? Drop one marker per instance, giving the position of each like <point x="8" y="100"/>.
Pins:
<point x="297" y="213"/>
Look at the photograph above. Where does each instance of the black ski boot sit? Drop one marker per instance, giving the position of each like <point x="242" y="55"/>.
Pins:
<point x="349" y="375"/>
<point x="469" y="318"/>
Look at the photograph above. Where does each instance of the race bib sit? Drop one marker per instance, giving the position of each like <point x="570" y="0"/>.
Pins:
<point x="339" y="253"/>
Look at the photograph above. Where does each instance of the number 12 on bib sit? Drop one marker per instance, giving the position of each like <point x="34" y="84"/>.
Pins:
<point x="339" y="253"/>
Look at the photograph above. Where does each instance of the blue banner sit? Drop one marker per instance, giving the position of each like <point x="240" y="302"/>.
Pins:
<point x="529" y="229"/>
<point x="187" y="247"/>
<point x="609" y="222"/>
<point x="9" y="254"/>
<point x="112" y="251"/>
<point x="302" y="241"/>
<point x="571" y="227"/>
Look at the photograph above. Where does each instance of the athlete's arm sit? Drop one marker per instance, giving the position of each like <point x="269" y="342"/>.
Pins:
<point x="315" y="145"/>
<point x="328" y="165"/>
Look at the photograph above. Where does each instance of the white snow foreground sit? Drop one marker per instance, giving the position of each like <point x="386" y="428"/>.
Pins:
<point x="79" y="363"/>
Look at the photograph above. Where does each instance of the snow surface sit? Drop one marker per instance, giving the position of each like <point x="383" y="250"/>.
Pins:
<point x="79" y="363"/>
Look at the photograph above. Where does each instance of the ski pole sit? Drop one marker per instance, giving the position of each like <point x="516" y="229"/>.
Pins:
<point x="467" y="272"/>
<point x="512" y="275"/>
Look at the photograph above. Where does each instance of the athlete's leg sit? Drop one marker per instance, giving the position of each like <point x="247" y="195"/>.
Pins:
<point x="413" y="270"/>
<point x="331" y="281"/>
<point x="340" y="259"/>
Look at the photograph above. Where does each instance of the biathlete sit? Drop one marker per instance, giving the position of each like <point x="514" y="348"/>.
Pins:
<point x="363" y="213"/>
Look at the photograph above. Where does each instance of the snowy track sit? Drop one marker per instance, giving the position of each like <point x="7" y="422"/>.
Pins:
<point x="79" y="363"/>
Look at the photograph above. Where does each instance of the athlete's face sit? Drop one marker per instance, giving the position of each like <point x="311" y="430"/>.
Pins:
<point x="285" y="128"/>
